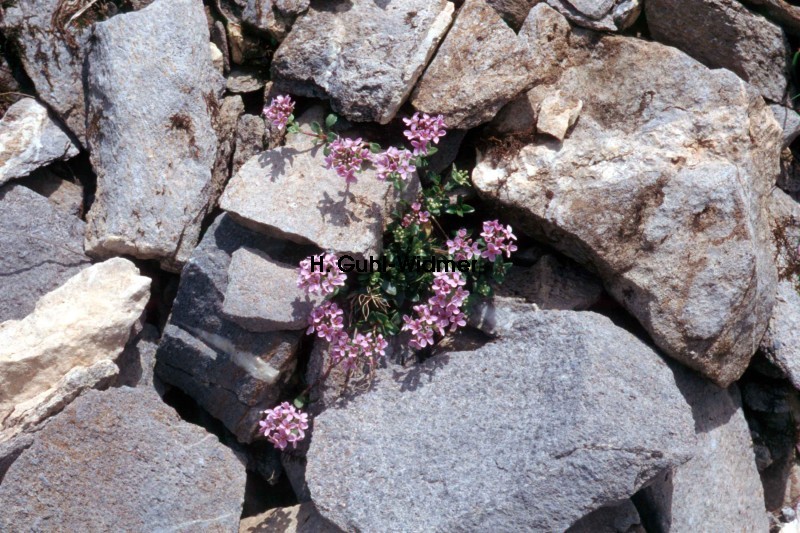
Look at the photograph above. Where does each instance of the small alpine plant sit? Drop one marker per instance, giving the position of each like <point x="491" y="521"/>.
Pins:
<point x="356" y="319"/>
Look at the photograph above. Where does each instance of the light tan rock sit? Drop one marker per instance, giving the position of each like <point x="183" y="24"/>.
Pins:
<point x="302" y="518"/>
<point x="557" y="114"/>
<point x="87" y="320"/>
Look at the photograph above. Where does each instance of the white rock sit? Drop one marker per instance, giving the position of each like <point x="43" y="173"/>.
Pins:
<point x="557" y="114"/>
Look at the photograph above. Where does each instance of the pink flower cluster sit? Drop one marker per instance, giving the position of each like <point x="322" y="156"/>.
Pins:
<point x="423" y="130"/>
<point x="279" y="110"/>
<point x="498" y="240"/>
<point x="320" y="280"/>
<point x="359" y="351"/>
<point x="327" y="321"/>
<point x="462" y="248"/>
<point x="347" y="156"/>
<point x="284" y="424"/>
<point x="441" y="312"/>
<point x="394" y="161"/>
<point x="416" y="216"/>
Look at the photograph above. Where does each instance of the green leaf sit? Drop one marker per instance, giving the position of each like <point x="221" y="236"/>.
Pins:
<point x="432" y="150"/>
<point x="330" y="120"/>
<point x="467" y="209"/>
<point x="326" y="151"/>
<point x="316" y="128"/>
<point x="375" y="148"/>
<point x="389" y="288"/>
<point x="331" y="137"/>
<point x="300" y="402"/>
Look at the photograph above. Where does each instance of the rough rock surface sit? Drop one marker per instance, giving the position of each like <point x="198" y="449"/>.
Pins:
<point x="250" y="140"/>
<point x="364" y="55"/>
<point x="599" y="412"/>
<point x="557" y="114"/>
<point x="225" y="122"/>
<point x="84" y="321"/>
<point x="65" y="195"/>
<point x="287" y="192"/>
<point x="480" y="66"/>
<point x="30" y="139"/>
<point x="661" y="188"/>
<point x="129" y="463"/>
<point x="52" y="54"/>
<point x="302" y="518"/>
<point x="724" y="34"/>
<point x="274" y="16"/>
<point x="513" y="11"/>
<point x="723" y="467"/>
<point x="781" y="343"/>
<point x="609" y="15"/>
<point x="164" y="155"/>
<point x="789" y="121"/>
<point x="262" y="294"/>
<point x="137" y="362"/>
<point x="232" y="373"/>
<point x="41" y="247"/>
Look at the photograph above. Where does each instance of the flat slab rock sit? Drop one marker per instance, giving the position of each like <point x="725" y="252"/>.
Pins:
<point x="560" y="416"/>
<point x="364" y="55"/>
<point x="743" y="42"/>
<point x="288" y="193"/>
<point x="30" y="139"/>
<point x="232" y="373"/>
<point x="164" y="154"/>
<point x="41" y="247"/>
<point x="123" y="460"/>
<point x="675" y="224"/>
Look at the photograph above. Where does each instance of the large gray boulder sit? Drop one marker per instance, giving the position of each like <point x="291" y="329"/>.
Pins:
<point x="724" y="34"/>
<point x="232" y="373"/>
<point x="123" y="460"/>
<point x="364" y="55"/>
<point x="152" y="97"/>
<point x="52" y="50"/>
<point x="560" y="416"/>
<point x="483" y="63"/>
<point x="30" y="139"/>
<point x="41" y="247"/>
<point x="661" y="187"/>
<point x="719" y="489"/>
<point x="607" y="15"/>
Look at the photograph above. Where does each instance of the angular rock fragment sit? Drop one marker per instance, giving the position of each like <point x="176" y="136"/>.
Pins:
<point x="130" y="464"/>
<point x="86" y="320"/>
<point x="724" y="34"/>
<point x="151" y="132"/>
<point x="30" y="139"/>
<point x="262" y="294"/>
<point x="52" y="52"/>
<point x="599" y="414"/>
<point x="274" y="16"/>
<point x="607" y="15"/>
<point x="250" y="140"/>
<point x="41" y="247"/>
<point x="622" y="518"/>
<point x="364" y="55"/>
<point x="301" y="518"/>
<point x="557" y="114"/>
<point x="676" y="225"/>
<point x="513" y="11"/>
<point x="65" y="195"/>
<point x="789" y="121"/>
<point x="232" y="373"/>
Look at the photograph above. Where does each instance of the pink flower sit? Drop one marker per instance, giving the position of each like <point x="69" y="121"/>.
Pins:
<point x="283" y="425"/>
<point x="462" y="248"/>
<point x="326" y="321"/>
<point x="416" y="216"/>
<point x="394" y="161"/>
<point x="279" y="110"/>
<point x="316" y="279"/>
<point x="498" y="240"/>
<point x="346" y="156"/>
<point x="422" y="130"/>
<point x="359" y="351"/>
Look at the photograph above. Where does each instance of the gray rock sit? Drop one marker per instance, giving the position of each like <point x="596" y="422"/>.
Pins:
<point x="232" y="373"/>
<point x="513" y="11"/>
<point x="130" y="464"/>
<point x="274" y="16"/>
<point x="608" y="15"/>
<point x="9" y="86"/>
<point x="63" y="194"/>
<point x="245" y="81"/>
<point x="53" y="54"/>
<point x="676" y="225"/>
<point x="789" y="120"/>
<point x="165" y="154"/>
<point x="11" y="450"/>
<point x="781" y="343"/>
<point x="621" y="518"/>
<point x="137" y="362"/>
<point x="41" y="248"/>
<point x="288" y="193"/>
<point x="250" y="140"/>
<point x="219" y="36"/>
<point x="333" y="51"/>
<point x="743" y="42"/>
<point x="599" y="414"/>
<point x="225" y="122"/>
<point x="262" y="293"/>
<point x="30" y="139"/>
<point x="719" y="489"/>
<point x="302" y="518"/>
<point x="481" y="65"/>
